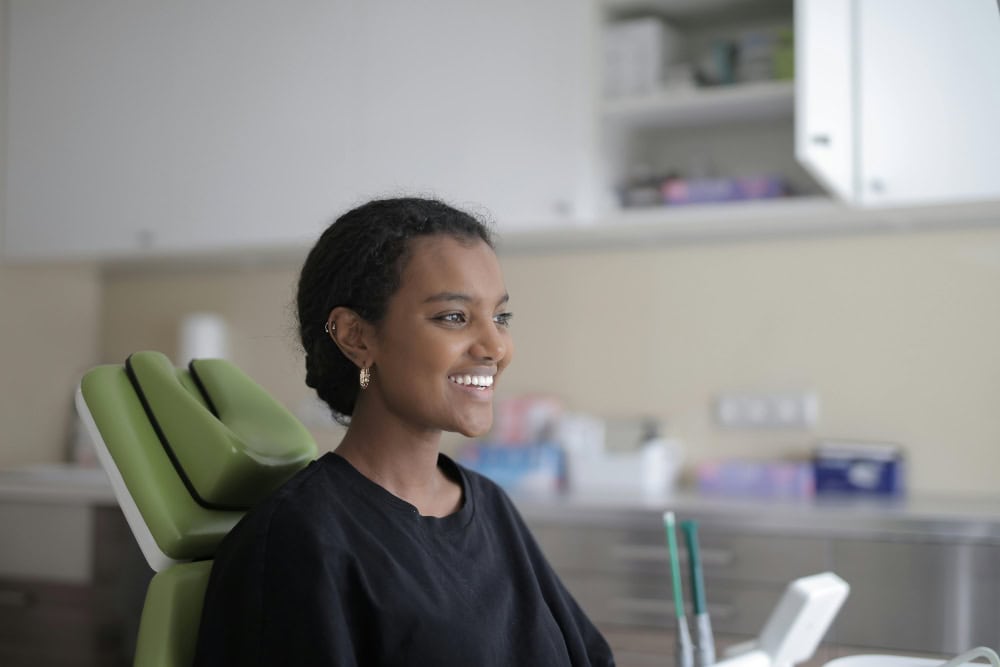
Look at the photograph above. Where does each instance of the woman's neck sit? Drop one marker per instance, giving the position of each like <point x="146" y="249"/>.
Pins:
<point x="402" y="462"/>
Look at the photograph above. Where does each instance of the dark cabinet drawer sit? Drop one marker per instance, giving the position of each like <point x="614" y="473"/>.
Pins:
<point x="91" y="622"/>
<point x="943" y="598"/>
<point x="45" y="623"/>
<point x="726" y="556"/>
<point x="738" y="609"/>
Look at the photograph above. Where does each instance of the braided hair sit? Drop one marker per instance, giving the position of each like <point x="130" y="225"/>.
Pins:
<point x="358" y="263"/>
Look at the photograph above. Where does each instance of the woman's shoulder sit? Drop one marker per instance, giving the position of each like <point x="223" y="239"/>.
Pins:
<point x="303" y="506"/>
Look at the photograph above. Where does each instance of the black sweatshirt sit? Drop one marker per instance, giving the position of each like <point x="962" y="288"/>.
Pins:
<point x="335" y="570"/>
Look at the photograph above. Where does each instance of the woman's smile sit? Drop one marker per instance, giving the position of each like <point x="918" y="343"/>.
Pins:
<point x="477" y="386"/>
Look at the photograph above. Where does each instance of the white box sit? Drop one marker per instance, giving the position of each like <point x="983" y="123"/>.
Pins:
<point x="637" y="53"/>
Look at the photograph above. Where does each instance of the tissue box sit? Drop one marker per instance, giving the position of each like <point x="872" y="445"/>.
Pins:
<point x="859" y="469"/>
<point x="524" y="420"/>
<point x="532" y="469"/>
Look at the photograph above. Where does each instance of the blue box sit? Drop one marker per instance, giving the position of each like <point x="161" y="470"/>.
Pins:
<point x="859" y="469"/>
<point x="533" y="468"/>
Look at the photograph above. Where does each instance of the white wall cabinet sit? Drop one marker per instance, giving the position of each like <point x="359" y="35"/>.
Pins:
<point x="897" y="100"/>
<point x="487" y="103"/>
<point x="152" y="127"/>
<point x="688" y="125"/>
<point x="184" y="126"/>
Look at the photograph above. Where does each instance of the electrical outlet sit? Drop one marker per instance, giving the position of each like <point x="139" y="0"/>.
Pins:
<point x="767" y="410"/>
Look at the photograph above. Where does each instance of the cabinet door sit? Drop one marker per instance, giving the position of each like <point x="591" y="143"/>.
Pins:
<point x="824" y="94"/>
<point x="898" y="99"/>
<point x="175" y="126"/>
<point x="912" y="596"/>
<point x="929" y="88"/>
<point x="482" y="103"/>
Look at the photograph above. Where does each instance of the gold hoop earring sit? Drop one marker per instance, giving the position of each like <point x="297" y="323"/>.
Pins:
<point x="365" y="377"/>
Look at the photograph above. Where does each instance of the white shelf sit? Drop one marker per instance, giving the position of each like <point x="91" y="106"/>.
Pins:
<point x="752" y="220"/>
<point x="689" y="107"/>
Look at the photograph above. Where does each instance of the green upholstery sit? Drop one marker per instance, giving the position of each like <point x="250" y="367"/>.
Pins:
<point x="232" y="467"/>
<point x="234" y="458"/>
<point x="188" y="451"/>
<point x="170" y="617"/>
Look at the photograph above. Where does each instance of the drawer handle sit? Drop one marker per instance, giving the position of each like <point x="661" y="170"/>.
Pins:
<point x="717" y="557"/>
<point x="664" y="608"/>
<point x="631" y="552"/>
<point x="658" y="554"/>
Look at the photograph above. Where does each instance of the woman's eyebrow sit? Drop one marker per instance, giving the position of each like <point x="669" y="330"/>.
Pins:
<point x="459" y="296"/>
<point x="448" y="296"/>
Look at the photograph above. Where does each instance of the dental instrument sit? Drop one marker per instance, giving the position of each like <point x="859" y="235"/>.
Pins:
<point x="704" y="641"/>
<point x="683" y="649"/>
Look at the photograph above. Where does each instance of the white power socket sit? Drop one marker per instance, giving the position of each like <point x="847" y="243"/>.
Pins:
<point x="767" y="410"/>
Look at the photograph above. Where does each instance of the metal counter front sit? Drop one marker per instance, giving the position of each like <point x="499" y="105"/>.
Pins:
<point x="924" y="574"/>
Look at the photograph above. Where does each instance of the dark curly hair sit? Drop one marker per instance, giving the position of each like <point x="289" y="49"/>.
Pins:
<point x="358" y="263"/>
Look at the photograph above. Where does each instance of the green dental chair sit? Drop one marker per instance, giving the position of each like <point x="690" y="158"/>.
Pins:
<point x="188" y="452"/>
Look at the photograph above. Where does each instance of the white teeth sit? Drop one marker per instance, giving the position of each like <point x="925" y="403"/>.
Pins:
<point x="481" y="381"/>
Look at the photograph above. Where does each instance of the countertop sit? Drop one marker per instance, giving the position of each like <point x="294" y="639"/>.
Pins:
<point x="932" y="518"/>
<point x="56" y="483"/>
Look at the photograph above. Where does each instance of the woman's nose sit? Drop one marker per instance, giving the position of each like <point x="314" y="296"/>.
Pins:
<point x="489" y="344"/>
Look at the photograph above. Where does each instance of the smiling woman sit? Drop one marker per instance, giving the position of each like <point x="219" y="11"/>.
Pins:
<point x="386" y="552"/>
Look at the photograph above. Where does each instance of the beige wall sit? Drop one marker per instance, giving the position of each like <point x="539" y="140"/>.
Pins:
<point x="144" y="310"/>
<point x="897" y="334"/>
<point x="49" y="327"/>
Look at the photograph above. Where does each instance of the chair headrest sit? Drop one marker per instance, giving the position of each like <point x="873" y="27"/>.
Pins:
<point x="188" y="451"/>
<point x="230" y="441"/>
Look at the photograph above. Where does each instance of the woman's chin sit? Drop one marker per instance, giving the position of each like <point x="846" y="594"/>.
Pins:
<point x="475" y="430"/>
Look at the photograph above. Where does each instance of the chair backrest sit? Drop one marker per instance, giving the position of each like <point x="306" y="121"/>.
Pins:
<point x="188" y="451"/>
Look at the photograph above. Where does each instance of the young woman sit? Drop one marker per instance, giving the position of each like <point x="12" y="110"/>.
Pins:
<point x="386" y="552"/>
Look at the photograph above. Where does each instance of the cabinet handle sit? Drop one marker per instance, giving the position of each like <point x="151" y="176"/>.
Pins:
<point x="650" y="554"/>
<point x="665" y="608"/>
<point x="562" y="208"/>
<point x="634" y="552"/>
<point x="717" y="557"/>
<point x="820" y="139"/>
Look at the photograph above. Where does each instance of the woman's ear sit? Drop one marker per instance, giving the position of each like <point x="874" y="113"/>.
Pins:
<point x="352" y="334"/>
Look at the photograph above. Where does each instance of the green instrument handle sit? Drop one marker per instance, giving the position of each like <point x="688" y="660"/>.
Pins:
<point x="690" y="529"/>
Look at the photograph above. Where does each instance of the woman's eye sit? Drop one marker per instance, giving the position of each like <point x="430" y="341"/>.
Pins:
<point x="452" y="318"/>
<point x="503" y="319"/>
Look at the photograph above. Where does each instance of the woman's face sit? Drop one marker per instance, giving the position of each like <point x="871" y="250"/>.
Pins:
<point x="444" y="340"/>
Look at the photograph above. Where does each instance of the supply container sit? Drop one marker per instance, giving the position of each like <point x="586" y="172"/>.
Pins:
<point x="859" y="469"/>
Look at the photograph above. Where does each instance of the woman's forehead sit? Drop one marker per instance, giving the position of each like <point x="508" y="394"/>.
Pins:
<point x="440" y="264"/>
